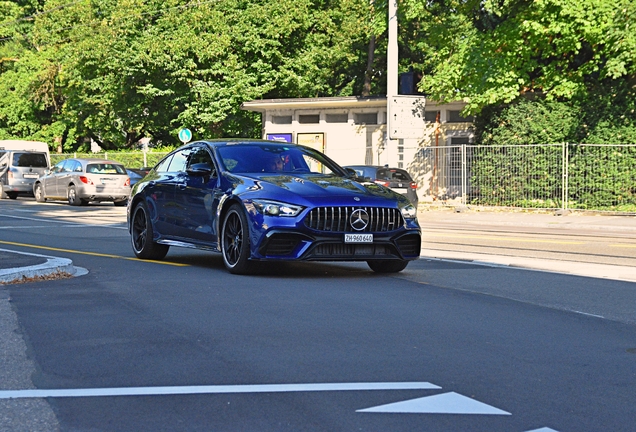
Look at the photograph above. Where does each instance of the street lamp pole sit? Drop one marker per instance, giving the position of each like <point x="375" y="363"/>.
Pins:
<point x="392" y="72"/>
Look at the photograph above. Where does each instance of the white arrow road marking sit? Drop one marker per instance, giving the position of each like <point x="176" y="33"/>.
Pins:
<point x="446" y="403"/>
<point x="543" y="429"/>
<point x="214" y="389"/>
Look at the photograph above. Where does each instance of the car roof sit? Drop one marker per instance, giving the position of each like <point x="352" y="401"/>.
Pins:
<point x="94" y="160"/>
<point x="221" y="142"/>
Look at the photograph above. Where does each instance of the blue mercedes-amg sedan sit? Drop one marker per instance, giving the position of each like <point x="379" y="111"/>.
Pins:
<point x="254" y="200"/>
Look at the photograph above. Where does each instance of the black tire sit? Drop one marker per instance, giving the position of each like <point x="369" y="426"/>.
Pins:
<point x="141" y="235"/>
<point x="71" y="195"/>
<point x="387" y="266"/>
<point x="39" y="193"/>
<point x="120" y="203"/>
<point x="235" y="241"/>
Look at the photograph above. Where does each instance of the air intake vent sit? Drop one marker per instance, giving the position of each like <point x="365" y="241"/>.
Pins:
<point x="410" y="245"/>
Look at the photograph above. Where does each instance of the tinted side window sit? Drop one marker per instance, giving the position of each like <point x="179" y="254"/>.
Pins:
<point x="66" y="166"/>
<point x="164" y="164"/>
<point x="58" y="167"/>
<point x="75" y="166"/>
<point x="201" y="155"/>
<point x="36" y="160"/>
<point x="179" y="161"/>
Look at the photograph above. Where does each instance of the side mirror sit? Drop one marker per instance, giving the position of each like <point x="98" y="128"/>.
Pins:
<point x="3" y="166"/>
<point x="351" y="172"/>
<point x="200" y="170"/>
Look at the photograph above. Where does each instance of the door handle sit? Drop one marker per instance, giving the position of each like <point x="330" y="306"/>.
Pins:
<point x="182" y="186"/>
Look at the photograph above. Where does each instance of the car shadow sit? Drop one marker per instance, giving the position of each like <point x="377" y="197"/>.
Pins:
<point x="289" y="269"/>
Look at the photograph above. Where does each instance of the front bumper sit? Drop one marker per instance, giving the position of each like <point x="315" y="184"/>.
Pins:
<point x="289" y="245"/>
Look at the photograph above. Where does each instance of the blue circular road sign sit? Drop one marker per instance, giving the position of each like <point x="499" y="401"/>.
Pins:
<point x="185" y="135"/>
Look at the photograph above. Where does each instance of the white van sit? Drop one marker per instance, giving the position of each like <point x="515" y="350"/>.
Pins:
<point x="21" y="162"/>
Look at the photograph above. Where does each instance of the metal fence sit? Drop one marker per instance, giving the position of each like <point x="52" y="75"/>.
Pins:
<point x="551" y="176"/>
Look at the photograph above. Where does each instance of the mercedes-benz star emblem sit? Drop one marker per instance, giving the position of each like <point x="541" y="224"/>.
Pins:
<point x="356" y="199"/>
<point x="359" y="219"/>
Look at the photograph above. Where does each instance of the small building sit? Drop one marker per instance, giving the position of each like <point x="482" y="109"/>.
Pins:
<point x="352" y="130"/>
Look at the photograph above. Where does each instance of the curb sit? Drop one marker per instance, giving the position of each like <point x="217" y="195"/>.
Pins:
<point x="52" y="266"/>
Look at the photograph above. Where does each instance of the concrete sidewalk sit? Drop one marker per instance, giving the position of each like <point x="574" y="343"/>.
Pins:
<point x="576" y="222"/>
<point x="22" y="266"/>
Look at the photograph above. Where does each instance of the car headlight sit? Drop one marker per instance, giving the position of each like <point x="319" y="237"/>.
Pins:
<point x="275" y="208"/>
<point x="409" y="211"/>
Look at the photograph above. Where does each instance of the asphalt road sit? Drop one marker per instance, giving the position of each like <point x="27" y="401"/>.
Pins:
<point x="183" y="345"/>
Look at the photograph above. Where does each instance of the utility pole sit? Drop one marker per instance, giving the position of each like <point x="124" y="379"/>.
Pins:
<point x="392" y="54"/>
<point x="391" y="72"/>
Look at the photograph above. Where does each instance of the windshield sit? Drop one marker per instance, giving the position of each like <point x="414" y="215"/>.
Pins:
<point x="271" y="158"/>
<point x="35" y="160"/>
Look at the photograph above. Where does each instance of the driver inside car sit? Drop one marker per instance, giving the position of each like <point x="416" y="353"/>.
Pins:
<point x="274" y="164"/>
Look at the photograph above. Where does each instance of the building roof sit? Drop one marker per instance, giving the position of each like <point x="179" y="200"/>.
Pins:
<point x="263" y="105"/>
<point x="320" y="102"/>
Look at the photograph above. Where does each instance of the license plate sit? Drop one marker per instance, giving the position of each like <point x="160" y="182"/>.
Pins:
<point x="400" y="190"/>
<point x="31" y="175"/>
<point x="358" y="238"/>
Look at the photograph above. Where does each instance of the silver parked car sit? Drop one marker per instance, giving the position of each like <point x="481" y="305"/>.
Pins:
<point x="81" y="181"/>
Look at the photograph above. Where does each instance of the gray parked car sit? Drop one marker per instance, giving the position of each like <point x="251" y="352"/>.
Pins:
<point x="81" y="181"/>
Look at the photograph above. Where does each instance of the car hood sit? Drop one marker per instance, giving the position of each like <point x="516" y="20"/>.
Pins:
<point x="314" y="188"/>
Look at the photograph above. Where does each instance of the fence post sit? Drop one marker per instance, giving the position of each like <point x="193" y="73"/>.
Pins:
<point x="145" y="157"/>
<point x="464" y="175"/>
<point x="564" y="176"/>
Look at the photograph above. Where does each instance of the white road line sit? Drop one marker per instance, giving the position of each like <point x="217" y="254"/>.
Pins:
<point x="68" y="223"/>
<point x="214" y="389"/>
<point x="589" y="314"/>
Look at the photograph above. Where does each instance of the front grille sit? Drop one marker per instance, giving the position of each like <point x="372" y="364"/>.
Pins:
<point x="337" y="219"/>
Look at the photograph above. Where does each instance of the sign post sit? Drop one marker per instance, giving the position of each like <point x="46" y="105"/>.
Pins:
<point x="185" y="135"/>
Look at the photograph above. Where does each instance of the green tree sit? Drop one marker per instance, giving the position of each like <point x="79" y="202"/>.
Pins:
<point x="490" y="52"/>
<point x="133" y="68"/>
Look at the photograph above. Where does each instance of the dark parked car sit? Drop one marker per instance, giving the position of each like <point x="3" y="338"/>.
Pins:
<point x="136" y="174"/>
<point x="81" y="181"/>
<point x="254" y="200"/>
<point x="395" y="178"/>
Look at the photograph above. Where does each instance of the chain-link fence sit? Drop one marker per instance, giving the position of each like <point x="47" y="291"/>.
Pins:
<point x="555" y="176"/>
<point x="550" y="176"/>
<point x="136" y="159"/>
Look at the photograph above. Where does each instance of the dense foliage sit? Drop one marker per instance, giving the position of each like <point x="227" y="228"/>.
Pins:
<point x="115" y="71"/>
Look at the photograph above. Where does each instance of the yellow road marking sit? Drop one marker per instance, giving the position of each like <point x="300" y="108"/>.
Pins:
<point x="516" y="239"/>
<point x="91" y="253"/>
<point x="623" y="245"/>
